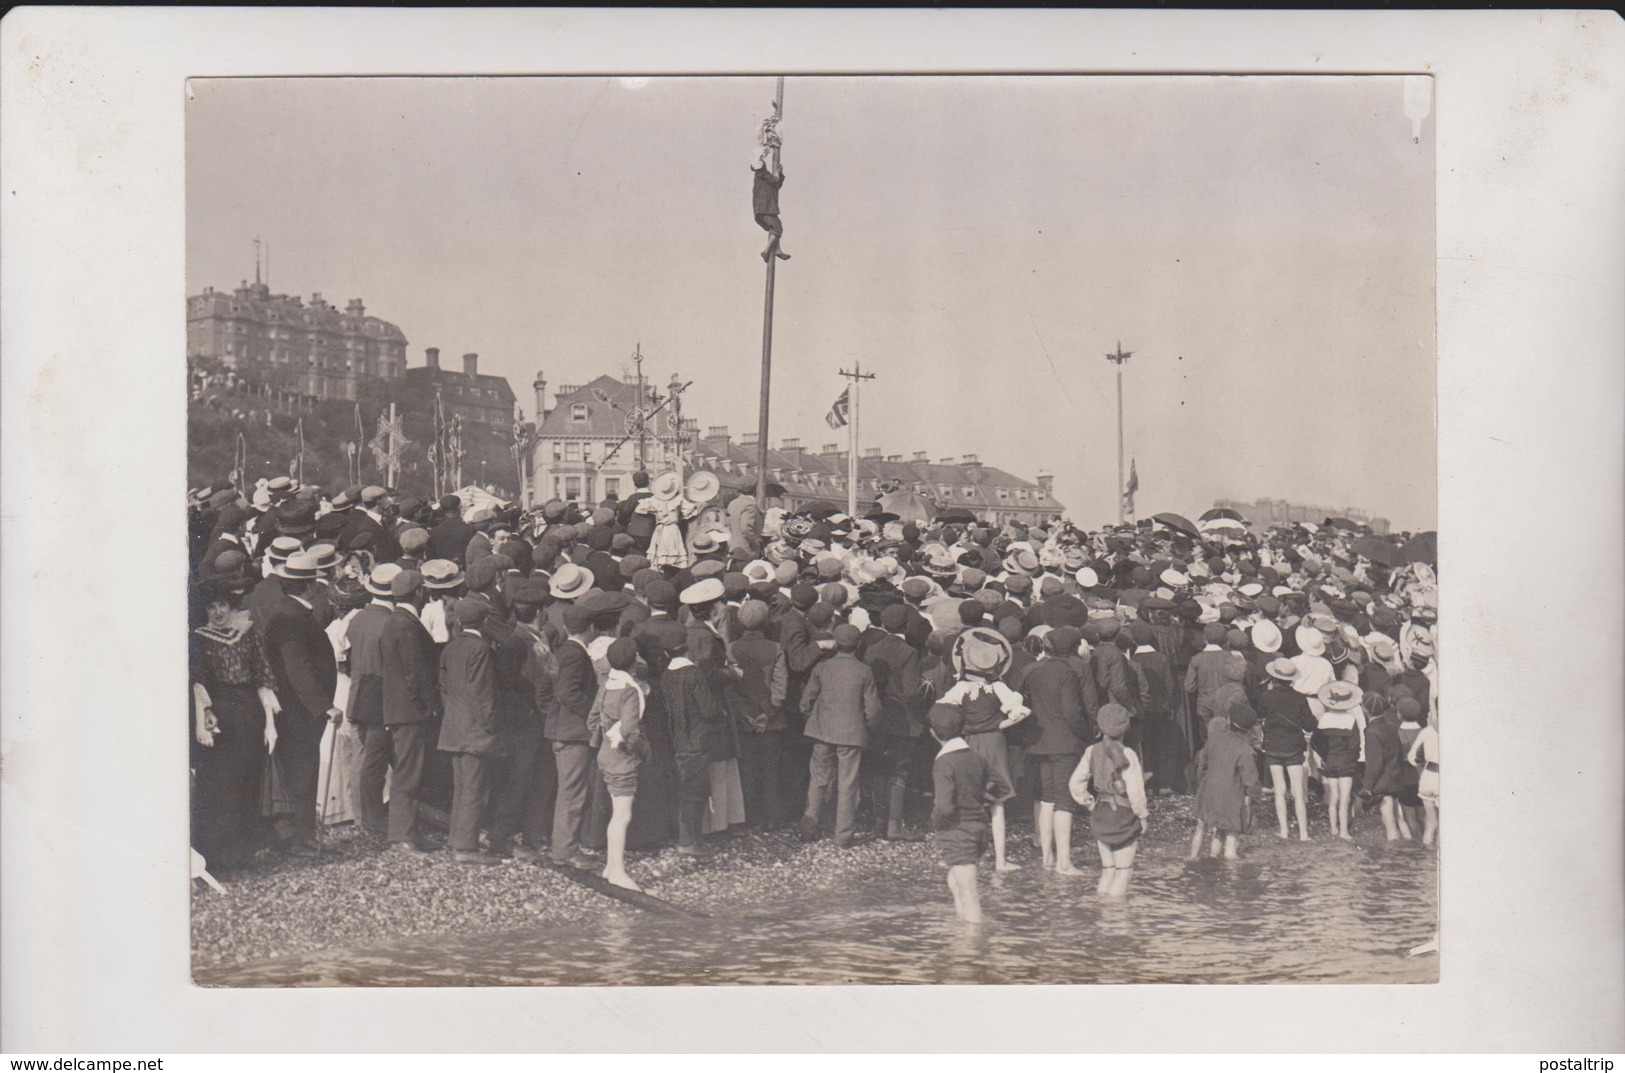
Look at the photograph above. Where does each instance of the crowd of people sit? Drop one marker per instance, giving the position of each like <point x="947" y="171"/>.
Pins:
<point x="570" y="681"/>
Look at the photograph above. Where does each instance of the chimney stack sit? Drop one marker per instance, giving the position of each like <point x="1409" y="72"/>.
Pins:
<point x="872" y="453"/>
<point x="471" y="364"/>
<point x="540" y="386"/>
<point x="830" y="449"/>
<point x="1046" y="485"/>
<point x="355" y="308"/>
<point x="431" y="357"/>
<point x="716" y="439"/>
<point x="921" y="456"/>
<point x="747" y="439"/>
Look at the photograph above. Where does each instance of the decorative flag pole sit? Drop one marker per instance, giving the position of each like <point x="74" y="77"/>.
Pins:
<point x="856" y="377"/>
<point x="1118" y="358"/>
<point x="769" y="176"/>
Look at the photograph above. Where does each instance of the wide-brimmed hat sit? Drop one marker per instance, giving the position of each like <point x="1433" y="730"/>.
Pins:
<point x="1311" y="642"/>
<point x="570" y="581"/>
<point x="1021" y="560"/>
<point x="703" y="486"/>
<point x="666" y="486"/>
<point x="982" y="651"/>
<point x="1174" y="579"/>
<point x="1283" y="670"/>
<point x="1340" y="696"/>
<point x="758" y="571"/>
<point x="1087" y="578"/>
<point x="1266" y="636"/>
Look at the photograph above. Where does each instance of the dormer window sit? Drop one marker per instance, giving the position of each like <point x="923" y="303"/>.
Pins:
<point x="578" y="411"/>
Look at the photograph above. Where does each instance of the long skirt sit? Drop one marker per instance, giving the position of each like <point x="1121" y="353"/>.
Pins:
<point x="727" y="805"/>
<point x="226" y="824"/>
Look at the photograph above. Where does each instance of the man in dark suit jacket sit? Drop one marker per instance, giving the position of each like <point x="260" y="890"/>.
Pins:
<point x="365" y="705"/>
<point x="575" y="688"/>
<point x="764" y="679"/>
<point x="449" y="538"/>
<point x="471" y="731"/>
<point x="370" y="519"/>
<point x="411" y="695"/>
<point x="901" y="683"/>
<point x="306" y="674"/>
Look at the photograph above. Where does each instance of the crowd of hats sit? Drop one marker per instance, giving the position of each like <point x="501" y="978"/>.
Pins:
<point x="1293" y="577"/>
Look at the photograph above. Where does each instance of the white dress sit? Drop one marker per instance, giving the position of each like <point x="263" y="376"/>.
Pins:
<point x="666" y="546"/>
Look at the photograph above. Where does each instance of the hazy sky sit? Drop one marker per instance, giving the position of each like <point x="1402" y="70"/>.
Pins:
<point x="1264" y="245"/>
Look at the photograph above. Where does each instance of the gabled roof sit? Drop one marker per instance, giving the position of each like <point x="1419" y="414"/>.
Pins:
<point x="602" y="419"/>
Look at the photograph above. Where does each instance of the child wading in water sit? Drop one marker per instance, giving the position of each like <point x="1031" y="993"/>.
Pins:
<point x="1385" y="766"/>
<point x="1287" y="719"/>
<point x="1424" y="753"/>
<point x="617" y="723"/>
<point x="1111" y="784"/>
<point x="959" y="809"/>
<point x="1339" y="740"/>
<point x="982" y="657"/>
<point x="1225" y="774"/>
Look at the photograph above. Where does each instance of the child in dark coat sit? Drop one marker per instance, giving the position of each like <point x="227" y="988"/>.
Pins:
<point x="1225" y="775"/>
<point x="959" y="809"/>
<point x="1384" y="766"/>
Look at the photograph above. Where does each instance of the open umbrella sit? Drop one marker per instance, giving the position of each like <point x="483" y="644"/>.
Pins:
<point x="957" y="515"/>
<point x="1211" y="525"/>
<point x="1222" y="512"/>
<point x="1377" y="550"/>
<point x="1421" y="548"/>
<point x="819" y="508"/>
<point x="1348" y="525"/>
<point x="1178" y="523"/>
<point x="908" y="506"/>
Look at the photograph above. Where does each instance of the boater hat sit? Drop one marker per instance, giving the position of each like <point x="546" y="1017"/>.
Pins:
<point x="378" y="581"/>
<point x="439" y="574"/>
<point x="570" y="581"/>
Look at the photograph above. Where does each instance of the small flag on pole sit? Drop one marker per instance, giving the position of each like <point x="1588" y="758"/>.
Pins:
<point x="841" y="412"/>
<point x="1130" y="488"/>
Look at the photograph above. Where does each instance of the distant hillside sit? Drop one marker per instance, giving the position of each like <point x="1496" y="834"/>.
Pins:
<point x="268" y="425"/>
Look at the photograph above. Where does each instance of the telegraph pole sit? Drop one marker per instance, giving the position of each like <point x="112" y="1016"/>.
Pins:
<point x="856" y="377"/>
<point x="1118" y="358"/>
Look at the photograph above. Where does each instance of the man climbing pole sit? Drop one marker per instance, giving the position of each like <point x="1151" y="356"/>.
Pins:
<point x="769" y="176"/>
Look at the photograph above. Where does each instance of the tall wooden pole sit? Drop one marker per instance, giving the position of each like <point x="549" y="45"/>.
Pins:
<point x="1118" y="358"/>
<point x="767" y="345"/>
<point x="390" y="442"/>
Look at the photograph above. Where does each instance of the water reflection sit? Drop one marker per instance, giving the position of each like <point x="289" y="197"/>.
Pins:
<point x="1286" y="913"/>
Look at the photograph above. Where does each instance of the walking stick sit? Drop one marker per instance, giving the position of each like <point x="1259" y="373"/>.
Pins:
<point x="327" y="785"/>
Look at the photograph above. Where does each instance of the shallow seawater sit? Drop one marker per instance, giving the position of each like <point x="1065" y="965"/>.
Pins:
<point x="1284" y="913"/>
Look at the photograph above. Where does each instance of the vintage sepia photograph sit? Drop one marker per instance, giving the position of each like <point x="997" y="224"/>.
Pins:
<point x="916" y="529"/>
